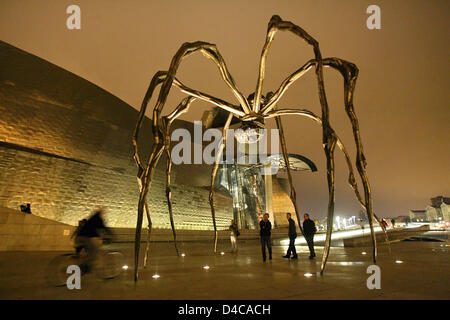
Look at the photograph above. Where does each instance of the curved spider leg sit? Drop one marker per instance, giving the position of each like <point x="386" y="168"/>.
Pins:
<point x="213" y="176"/>
<point x="144" y="175"/>
<point x="183" y="107"/>
<point x="277" y="24"/>
<point x="354" y="186"/>
<point x="146" y="181"/>
<point x="328" y="139"/>
<point x="286" y="84"/>
<point x="149" y="226"/>
<point x="349" y="72"/>
<point x="149" y="231"/>
<point x="210" y="51"/>
<point x="351" y="178"/>
<point x="306" y="113"/>
<point x="329" y="152"/>
<point x="156" y="80"/>
<point x="293" y="194"/>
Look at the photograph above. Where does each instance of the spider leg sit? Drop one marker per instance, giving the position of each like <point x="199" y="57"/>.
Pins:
<point x="159" y="78"/>
<point x="210" y="51"/>
<point x="213" y="176"/>
<point x="286" y="84"/>
<point x="293" y="194"/>
<point x="146" y="178"/>
<point x="149" y="231"/>
<point x="182" y="108"/>
<point x="277" y="24"/>
<point x="144" y="175"/>
<point x="349" y="72"/>
<point x="328" y="139"/>
<point x="306" y="113"/>
<point x="149" y="226"/>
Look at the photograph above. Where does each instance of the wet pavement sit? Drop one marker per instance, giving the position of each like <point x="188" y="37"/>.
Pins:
<point x="423" y="274"/>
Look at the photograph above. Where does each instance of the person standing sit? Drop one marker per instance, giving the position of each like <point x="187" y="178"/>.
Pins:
<point x="309" y="229"/>
<point x="233" y="236"/>
<point x="292" y="233"/>
<point x="265" y="227"/>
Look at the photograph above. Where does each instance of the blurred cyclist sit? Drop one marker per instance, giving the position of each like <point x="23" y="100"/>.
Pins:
<point x="93" y="228"/>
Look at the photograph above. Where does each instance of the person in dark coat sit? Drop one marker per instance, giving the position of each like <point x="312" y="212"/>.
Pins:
<point x="26" y="208"/>
<point x="265" y="227"/>
<point x="292" y="236"/>
<point x="309" y="229"/>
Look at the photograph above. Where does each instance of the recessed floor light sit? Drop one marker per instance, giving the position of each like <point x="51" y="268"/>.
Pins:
<point x="398" y="261"/>
<point x="308" y="275"/>
<point x="183" y="254"/>
<point x="155" y="276"/>
<point x="364" y="253"/>
<point x="222" y="253"/>
<point x="125" y="267"/>
<point x="206" y="267"/>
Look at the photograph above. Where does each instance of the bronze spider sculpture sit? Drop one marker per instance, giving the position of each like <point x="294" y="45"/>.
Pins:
<point x="252" y="112"/>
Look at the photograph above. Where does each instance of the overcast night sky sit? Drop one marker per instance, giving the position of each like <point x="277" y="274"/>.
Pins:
<point x="401" y="96"/>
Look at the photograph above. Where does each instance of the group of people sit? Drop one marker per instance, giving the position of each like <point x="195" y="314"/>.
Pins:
<point x="25" y="208"/>
<point x="89" y="229"/>
<point x="265" y="227"/>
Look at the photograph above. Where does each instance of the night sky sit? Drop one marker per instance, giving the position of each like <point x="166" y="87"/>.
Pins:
<point x="401" y="97"/>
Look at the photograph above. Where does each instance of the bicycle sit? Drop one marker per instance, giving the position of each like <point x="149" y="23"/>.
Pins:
<point x="109" y="264"/>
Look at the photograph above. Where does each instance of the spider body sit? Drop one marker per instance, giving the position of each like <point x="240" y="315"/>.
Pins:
<point x="252" y="112"/>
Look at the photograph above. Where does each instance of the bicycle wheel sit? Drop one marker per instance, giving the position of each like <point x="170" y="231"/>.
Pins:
<point x="110" y="264"/>
<point x="56" y="274"/>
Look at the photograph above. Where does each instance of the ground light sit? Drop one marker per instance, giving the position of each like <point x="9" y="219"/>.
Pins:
<point x="222" y="253"/>
<point x="398" y="261"/>
<point x="155" y="276"/>
<point x="206" y="267"/>
<point x="308" y="275"/>
<point x="183" y="254"/>
<point x="363" y="253"/>
<point x="125" y="267"/>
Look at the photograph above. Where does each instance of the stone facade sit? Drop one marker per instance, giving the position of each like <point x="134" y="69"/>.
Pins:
<point x="418" y="215"/>
<point x="65" y="147"/>
<point x="438" y="210"/>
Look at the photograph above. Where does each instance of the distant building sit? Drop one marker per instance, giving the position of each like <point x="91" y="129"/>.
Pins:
<point x="402" y="219"/>
<point x="437" y="201"/>
<point x="418" y="215"/>
<point x="439" y="210"/>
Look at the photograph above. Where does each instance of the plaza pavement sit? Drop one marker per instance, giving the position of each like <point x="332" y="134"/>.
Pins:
<point x="424" y="274"/>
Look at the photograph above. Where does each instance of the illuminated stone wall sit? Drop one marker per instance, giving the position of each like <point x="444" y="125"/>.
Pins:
<point x="282" y="203"/>
<point x="65" y="147"/>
